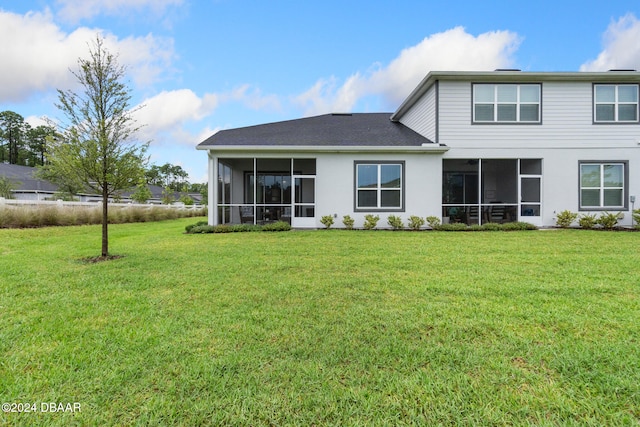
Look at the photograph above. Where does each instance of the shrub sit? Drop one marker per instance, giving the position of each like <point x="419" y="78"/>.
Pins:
<point x="7" y="187"/>
<point x="190" y="227"/>
<point x="395" y="222"/>
<point x="327" y="221"/>
<point x="491" y="226"/>
<point x="636" y="218"/>
<point x="608" y="220"/>
<point x="370" y="221"/>
<point x="565" y="218"/>
<point x="433" y="221"/>
<point x="455" y="226"/>
<point x="518" y="226"/>
<point x="277" y="226"/>
<point x="187" y="200"/>
<point x="348" y="222"/>
<point x="200" y="229"/>
<point x="587" y="221"/>
<point x="240" y="228"/>
<point x="415" y="222"/>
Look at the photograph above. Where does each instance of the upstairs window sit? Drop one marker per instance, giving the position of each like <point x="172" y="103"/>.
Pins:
<point x="379" y="186"/>
<point x="506" y="103"/>
<point x="615" y="103"/>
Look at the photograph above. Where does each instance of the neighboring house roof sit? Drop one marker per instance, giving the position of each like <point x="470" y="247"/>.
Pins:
<point x="325" y="131"/>
<point x="512" y="76"/>
<point x="25" y="178"/>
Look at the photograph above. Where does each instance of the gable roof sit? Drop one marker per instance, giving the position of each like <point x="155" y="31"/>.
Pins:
<point x="329" y="130"/>
<point x="26" y="179"/>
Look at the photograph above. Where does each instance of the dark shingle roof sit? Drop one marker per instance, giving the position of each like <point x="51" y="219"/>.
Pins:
<point x="25" y="176"/>
<point x="329" y="130"/>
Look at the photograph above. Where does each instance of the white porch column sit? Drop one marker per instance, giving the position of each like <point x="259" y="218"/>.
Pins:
<point x="213" y="189"/>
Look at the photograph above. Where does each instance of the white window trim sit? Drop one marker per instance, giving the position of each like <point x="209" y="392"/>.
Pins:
<point x="517" y="103"/>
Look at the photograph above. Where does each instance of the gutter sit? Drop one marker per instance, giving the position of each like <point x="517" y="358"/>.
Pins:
<point x="427" y="148"/>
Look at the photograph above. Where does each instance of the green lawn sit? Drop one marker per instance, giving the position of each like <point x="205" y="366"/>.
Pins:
<point x="323" y="327"/>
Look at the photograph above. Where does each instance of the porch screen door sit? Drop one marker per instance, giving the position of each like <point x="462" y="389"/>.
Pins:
<point x="304" y="202"/>
<point x="530" y="200"/>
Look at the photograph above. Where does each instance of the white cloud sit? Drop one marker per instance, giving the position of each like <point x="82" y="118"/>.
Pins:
<point x="36" y="121"/>
<point x="621" y="47"/>
<point x="164" y="117"/>
<point x="169" y="110"/>
<point x="253" y="98"/>
<point x="451" y="50"/>
<point x="40" y="54"/>
<point x="76" y="10"/>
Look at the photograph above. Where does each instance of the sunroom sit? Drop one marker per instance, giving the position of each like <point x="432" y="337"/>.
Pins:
<point x="260" y="190"/>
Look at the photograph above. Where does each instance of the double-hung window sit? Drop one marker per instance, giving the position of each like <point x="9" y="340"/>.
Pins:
<point x="379" y="186"/>
<point x="506" y="103"/>
<point x="602" y="185"/>
<point x="615" y="103"/>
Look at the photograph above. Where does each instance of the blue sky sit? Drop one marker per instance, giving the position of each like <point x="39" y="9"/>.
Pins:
<point x="201" y="66"/>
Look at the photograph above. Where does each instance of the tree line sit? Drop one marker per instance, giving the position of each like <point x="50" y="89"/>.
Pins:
<point x="20" y="143"/>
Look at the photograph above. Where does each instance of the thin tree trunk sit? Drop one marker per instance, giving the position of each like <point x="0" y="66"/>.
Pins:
<point x="105" y="220"/>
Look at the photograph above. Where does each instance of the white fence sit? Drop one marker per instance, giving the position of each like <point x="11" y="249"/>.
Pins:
<point x="16" y="202"/>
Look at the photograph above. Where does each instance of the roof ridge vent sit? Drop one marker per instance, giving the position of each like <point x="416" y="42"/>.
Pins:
<point x="623" y="69"/>
<point x="507" y="69"/>
<point x="342" y="114"/>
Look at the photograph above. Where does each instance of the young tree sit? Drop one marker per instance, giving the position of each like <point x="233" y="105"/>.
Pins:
<point x="96" y="147"/>
<point x="142" y="193"/>
<point x="7" y="186"/>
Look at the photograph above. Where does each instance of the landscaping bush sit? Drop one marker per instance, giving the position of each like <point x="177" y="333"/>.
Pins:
<point x="277" y="226"/>
<point x="455" y="226"/>
<point x="518" y="226"/>
<point x="395" y="222"/>
<point x="565" y="218"/>
<point x="433" y="222"/>
<point x="327" y="221"/>
<point x="636" y="218"/>
<point x="415" y="222"/>
<point x="608" y="220"/>
<point x="190" y="227"/>
<point x="348" y="222"/>
<point x="370" y="221"/>
<point x="201" y="227"/>
<point x="587" y="221"/>
<point x="491" y="226"/>
<point x="488" y="226"/>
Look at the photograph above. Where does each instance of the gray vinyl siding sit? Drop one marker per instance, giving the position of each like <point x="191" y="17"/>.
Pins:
<point x="422" y="116"/>
<point x="567" y="120"/>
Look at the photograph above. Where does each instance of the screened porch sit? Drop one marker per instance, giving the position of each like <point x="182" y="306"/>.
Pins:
<point x="478" y="191"/>
<point x="264" y="190"/>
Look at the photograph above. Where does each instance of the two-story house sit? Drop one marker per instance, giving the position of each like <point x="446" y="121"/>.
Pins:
<point x="471" y="147"/>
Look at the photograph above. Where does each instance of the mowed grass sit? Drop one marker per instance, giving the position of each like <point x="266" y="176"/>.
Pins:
<point x="324" y="327"/>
